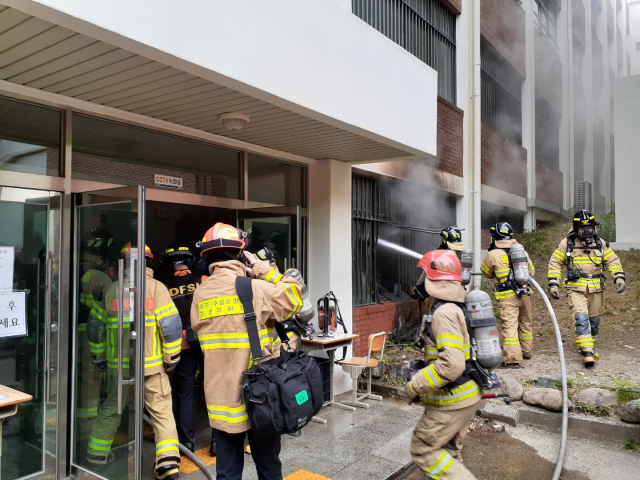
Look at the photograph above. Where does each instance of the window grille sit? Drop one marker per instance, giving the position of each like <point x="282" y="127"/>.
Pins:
<point x="425" y="28"/>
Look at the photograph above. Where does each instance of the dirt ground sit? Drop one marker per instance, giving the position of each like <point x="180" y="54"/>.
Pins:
<point x="498" y="456"/>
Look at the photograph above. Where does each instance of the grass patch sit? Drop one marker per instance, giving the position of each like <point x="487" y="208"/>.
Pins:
<point x="631" y="444"/>
<point x="393" y="382"/>
<point x="624" y="397"/>
<point x="595" y="410"/>
<point x="571" y="382"/>
<point x="529" y="382"/>
<point x="543" y="241"/>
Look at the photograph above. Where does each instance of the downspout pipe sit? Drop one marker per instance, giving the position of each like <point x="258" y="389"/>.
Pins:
<point x="476" y="130"/>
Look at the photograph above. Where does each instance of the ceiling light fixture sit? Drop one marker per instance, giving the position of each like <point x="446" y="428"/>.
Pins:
<point x="234" y="121"/>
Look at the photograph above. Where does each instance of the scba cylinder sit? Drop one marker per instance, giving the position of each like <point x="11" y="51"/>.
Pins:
<point x="520" y="264"/>
<point x="466" y="260"/>
<point x="485" y="329"/>
<point x="306" y="312"/>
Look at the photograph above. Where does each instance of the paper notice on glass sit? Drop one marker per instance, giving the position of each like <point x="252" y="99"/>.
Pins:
<point x="13" y="321"/>
<point x="7" y="254"/>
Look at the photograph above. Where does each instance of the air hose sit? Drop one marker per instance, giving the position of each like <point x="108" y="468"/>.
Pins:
<point x="563" y="371"/>
<point x="185" y="451"/>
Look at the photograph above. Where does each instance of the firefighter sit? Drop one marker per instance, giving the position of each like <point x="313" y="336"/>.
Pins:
<point x="162" y="342"/>
<point x="451" y="240"/>
<point x="438" y="437"/>
<point x="95" y="250"/>
<point x="514" y="304"/>
<point x="225" y="342"/>
<point x="586" y="257"/>
<point x="182" y="283"/>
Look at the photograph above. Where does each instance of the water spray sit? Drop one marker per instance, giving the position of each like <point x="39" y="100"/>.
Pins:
<point x="399" y="248"/>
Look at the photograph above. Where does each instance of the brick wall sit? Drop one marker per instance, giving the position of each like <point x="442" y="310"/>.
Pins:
<point x="502" y="25"/>
<point x="549" y="185"/>
<point x="454" y="5"/>
<point x="370" y="319"/>
<point x="450" y="148"/>
<point x="504" y="164"/>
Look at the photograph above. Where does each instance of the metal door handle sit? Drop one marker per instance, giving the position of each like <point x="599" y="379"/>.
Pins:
<point x="47" y="329"/>
<point x="120" y="328"/>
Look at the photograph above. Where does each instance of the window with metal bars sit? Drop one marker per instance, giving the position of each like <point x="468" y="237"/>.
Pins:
<point x="396" y="211"/>
<point x="425" y="28"/>
<point x="501" y="96"/>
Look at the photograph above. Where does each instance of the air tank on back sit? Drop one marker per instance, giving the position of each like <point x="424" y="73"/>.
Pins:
<point x="466" y="260"/>
<point x="520" y="264"/>
<point x="485" y="329"/>
<point x="306" y="312"/>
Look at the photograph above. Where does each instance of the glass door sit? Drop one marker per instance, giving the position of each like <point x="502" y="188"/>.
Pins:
<point x="281" y="230"/>
<point x="29" y="313"/>
<point x="108" y="334"/>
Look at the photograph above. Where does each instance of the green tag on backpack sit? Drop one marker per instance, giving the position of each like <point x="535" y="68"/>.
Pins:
<point x="302" y="397"/>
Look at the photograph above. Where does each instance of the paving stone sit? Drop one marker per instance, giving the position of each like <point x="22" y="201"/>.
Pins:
<point x="500" y="412"/>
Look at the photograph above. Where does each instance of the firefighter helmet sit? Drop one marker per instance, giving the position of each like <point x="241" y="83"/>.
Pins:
<point x="222" y="235"/>
<point x="97" y="241"/>
<point x="451" y="235"/>
<point x="126" y="251"/>
<point x="584" y="218"/>
<point x="441" y="265"/>
<point x="175" y="254"/>
<point x="501" y="231"/>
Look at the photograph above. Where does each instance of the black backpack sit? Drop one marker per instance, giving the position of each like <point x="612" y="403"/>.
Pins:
<point x="282" y="394"/>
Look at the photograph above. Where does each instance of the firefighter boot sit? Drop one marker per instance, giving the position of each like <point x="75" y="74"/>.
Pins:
<point x="588" y="358"/>
<point x="167" y="472"/>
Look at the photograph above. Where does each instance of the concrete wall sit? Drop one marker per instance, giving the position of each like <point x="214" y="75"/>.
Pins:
<point x="634" y="37"/>
<point x="313" y="57"/>
<point x="627" y="148"/>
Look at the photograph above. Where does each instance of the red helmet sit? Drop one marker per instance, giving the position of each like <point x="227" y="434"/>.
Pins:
<point x="441" y="265"/>
<point x="222" y="235"/>
<point x="126" y="251"/>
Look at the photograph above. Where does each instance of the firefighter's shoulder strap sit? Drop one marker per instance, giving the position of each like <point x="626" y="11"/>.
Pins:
<point x="245" y="294"/>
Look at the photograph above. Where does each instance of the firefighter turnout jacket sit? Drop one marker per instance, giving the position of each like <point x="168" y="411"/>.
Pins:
<point x="217" y="317"/>
<point x="590" y="265"/>
<point x="496" y="265"/>
<point x="445" y="360"/>
<point x="163" y="328"/>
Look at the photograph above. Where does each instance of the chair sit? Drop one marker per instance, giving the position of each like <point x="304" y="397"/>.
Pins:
<point x="355" y="365"/>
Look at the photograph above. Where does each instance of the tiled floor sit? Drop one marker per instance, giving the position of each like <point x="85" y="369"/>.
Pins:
<point x="366" y="444"/>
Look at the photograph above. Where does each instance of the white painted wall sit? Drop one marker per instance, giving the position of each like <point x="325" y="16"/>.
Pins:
<point x="330" y="243"/>
<point x="627" y="151"/>
<point x="634" y="36"/>
<point x="313" y="57"/>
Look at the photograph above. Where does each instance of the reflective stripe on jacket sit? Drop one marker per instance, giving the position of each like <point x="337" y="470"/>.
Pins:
<point x="163" y="328"/>
<point x="588" y="264"/>
<point x="218" y="320"/>
<point x="496" y="265"/>
<point x="446" y="362"/>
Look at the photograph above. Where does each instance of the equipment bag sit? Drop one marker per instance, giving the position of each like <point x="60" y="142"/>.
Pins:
<point x="282" y="394"/>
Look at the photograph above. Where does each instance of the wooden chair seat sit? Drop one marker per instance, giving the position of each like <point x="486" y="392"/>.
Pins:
<point x="360" y="362"/>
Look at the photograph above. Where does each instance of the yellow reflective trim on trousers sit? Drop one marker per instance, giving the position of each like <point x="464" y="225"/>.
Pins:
<point x="511" y="341"/>
<point x="442" y="465"/>
<point x="443" y="397"/>
<point x="169" y="445"/>
<point x="226" y="414"/>
<point x="525" y="336"/>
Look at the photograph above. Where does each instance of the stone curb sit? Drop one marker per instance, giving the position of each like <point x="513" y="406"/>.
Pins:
<point x="552" y="421"/>
<point x="403" y="472"/>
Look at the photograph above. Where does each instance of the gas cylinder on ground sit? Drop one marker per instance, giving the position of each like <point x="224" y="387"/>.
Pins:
<point x="306" y="312"/>
<point x="466" y="260"/>
<point x="484" y="329"/>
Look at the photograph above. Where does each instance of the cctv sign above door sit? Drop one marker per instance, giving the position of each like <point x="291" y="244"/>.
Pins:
<point x="167" y="181"/>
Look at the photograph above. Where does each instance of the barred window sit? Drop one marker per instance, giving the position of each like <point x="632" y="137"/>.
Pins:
<point x="501" y="96"/>
<point x="425" y="28"/>
<point x="399" y="212"/>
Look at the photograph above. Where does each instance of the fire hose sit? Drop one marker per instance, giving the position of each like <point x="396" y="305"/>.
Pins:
<point x="185" y="451"/>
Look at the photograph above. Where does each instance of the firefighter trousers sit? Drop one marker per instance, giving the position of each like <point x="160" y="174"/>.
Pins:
<point x="157" y="400"/>
<point x="517" y="330"/>
<point x="585" y="307"/>
<point x="437" y="443"/>
<point x="88" y="391"/>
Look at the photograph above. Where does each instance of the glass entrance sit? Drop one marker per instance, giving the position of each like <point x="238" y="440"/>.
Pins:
<point x="107" y="395"/>
<point x="29" y="312"/>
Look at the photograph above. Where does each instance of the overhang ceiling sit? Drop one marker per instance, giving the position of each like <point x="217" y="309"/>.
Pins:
<point x="42" y="55"/>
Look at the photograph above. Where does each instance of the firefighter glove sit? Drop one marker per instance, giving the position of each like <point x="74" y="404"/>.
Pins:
<point x="620" y="286"/>
<point x="555" y="292"/>
<point x="409" y="392"/>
